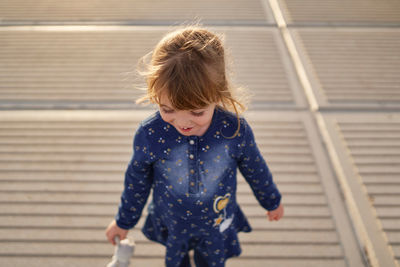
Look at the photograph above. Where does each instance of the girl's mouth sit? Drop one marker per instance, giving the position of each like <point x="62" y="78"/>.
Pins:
<point x="186" y="130"/>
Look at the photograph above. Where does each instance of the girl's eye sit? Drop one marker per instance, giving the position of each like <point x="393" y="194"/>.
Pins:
<point x="197" y="113"/>
<point x="167" y="111"/>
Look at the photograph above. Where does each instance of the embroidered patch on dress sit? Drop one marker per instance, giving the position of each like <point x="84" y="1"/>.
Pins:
<point x="220" y="204"/>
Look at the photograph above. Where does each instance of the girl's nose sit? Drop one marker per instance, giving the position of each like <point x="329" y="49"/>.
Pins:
<point x="183" y="122"/>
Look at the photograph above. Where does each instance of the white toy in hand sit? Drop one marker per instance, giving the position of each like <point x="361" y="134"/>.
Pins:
<point x="122" y="254"/>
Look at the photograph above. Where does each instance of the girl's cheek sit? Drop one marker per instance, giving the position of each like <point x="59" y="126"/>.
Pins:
<point x="205" y="119"/>
<point x="202" y="121"/>
<point x="166" y="117"/>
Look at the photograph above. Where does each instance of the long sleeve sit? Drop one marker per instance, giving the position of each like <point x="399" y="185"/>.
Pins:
<point x="256" y="172"/>
<point x="137" y="185"/>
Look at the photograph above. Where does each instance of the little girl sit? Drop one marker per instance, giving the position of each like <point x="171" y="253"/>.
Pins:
<point x="188" y="152"/>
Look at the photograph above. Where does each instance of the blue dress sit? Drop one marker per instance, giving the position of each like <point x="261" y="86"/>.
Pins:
<point x="194" y="186"/>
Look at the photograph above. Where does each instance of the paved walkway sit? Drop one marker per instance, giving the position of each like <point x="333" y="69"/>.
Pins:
<point x="326" y="114"/>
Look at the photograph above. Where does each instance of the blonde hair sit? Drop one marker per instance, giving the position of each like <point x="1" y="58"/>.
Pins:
<point x="189" y="65"/>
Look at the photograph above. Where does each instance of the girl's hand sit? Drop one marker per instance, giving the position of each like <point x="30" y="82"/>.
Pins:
<point x="113" y="230"/>
<point x="275" y="215"/>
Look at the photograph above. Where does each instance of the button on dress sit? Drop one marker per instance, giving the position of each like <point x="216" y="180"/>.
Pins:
<point x="193" y="184"/>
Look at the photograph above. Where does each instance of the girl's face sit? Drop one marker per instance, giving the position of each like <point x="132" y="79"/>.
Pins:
<point x="186" y="122"/>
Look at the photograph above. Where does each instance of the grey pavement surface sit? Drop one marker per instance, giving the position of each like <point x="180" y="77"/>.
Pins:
<point x="325" y="110"/>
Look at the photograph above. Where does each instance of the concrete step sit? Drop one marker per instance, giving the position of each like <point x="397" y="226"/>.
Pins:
<point x="341" y="12"/>
<point x="137" y="12"/>
<point x="352" y="68"/>
<point x="95" y="67"/>
<point x="371" y="171"/>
